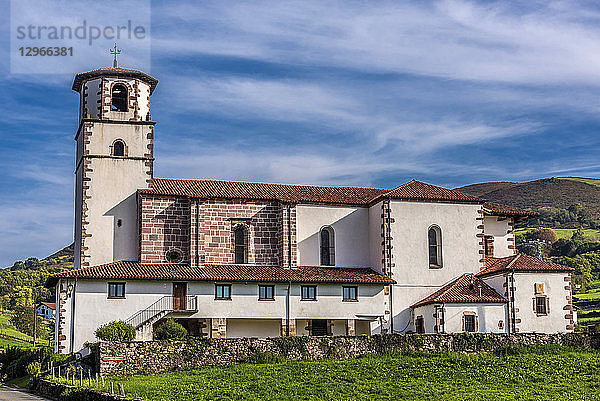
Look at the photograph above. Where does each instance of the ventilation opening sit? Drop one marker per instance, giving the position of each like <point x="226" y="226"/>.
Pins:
<point x="174" y="256"/>
<point x="119" y="98"/>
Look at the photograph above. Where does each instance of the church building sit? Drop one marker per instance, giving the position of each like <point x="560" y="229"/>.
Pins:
<point x="241" y="259"/>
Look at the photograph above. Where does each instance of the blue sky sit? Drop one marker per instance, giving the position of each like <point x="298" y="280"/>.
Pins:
<point x="334" y="93"/>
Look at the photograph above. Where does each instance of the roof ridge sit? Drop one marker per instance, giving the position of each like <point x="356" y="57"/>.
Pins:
<point x="271" y="183"/>
<point x="512" y="262"/>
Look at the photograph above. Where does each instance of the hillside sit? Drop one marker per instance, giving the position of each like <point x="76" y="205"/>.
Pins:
<point x="561" y="192"/>
<point x="30" y="275"/>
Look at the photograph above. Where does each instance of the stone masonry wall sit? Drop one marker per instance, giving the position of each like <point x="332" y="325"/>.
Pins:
<point x="164" y="356"/>
<point x="165" y="224"/>
<point x="217" y="220"/>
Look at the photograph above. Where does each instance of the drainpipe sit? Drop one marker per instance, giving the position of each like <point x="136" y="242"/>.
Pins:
<point x="197" y="257"/>
<point x="287" y="295"/>
<point x="73" y="292"/>
<point x="289" y="223"/>
<point x="512" y="301"/>
<point x="287" y="310"/>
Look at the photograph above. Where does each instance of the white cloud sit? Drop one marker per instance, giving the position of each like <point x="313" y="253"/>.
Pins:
<point x="497" y="41"/>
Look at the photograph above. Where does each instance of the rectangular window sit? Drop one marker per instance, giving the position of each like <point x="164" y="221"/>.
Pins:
<point x="223" y="291"/>
<point x="541" y="306"/>
<point x="469" y="323"/>
<point x="350" y="294"/>
<point x="420" y="325"/>
<point x="266" y="292"/>
<point x="488" y="241"/>
<point x="309" y="293"/>
<point x="116" y="290"/>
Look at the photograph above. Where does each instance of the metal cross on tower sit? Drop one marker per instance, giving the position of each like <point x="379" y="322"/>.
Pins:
<point x="115" y="51"/>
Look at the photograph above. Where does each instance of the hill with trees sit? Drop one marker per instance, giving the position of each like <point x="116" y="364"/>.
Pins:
<point x="23" y="283"/>
<point x="563" y="202"/>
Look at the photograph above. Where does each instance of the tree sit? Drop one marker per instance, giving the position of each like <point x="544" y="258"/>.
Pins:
<point x="22" y="296"/>
<point x="545" y="234"/>
<point x="23" y="320"/>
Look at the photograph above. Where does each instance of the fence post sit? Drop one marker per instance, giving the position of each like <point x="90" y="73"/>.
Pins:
<point x="96" y="379"/>
<point x="112" y="387"/>
<point x="122" y="389"/>
<point x="80" y="377"/>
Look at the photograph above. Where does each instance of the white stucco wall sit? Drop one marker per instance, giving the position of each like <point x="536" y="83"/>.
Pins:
<point x="113" y="183"/>
<point x="93" y="308"/>
<point x="351" y="233"/>
<point x="488" y="317"/>
<point x="460" y="251"/>
<point x="554" y="288"/>
<point x="92" y="89"/>
<point x="375" y="230"/>
<point x="500" y="229"/>
<point x="260" y="328"/>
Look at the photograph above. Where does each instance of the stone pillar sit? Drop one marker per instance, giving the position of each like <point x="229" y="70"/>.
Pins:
<point x="351" y="327"/>
<point x="292" y="327"/>
<point x="218" y="328"/>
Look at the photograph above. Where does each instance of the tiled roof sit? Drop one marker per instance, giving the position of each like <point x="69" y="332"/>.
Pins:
<point x="209" y="189"/>
<point x="520" y="263"/>
<point x="306" y="274"/>
<point x="464" y="289"/>
<point x="495" y="209"/>
<point x="416" y="190"/>
<point x="50" y="305"/>
<point x="113" y="72"/>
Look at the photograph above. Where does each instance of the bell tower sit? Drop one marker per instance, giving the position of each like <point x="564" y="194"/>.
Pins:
<point x="114" y="158"/>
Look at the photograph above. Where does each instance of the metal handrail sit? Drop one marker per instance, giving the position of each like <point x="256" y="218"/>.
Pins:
<point x="167" y="303"/>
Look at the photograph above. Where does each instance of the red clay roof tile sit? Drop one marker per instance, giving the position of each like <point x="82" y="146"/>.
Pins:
<point x="210" y="189"/>
<point x="464" y="289"/>
<point x="416" y="190"/>
<point x="125" y="270"/>
<point x="495" y="209"/>
<point x="521" y="263"/>
<point x="110" y="72"/>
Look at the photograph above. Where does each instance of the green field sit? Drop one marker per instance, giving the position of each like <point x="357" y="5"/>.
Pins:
<point x="566" y="233"/>
<point x="592" y="181"/>
<point x="535" y="374"/>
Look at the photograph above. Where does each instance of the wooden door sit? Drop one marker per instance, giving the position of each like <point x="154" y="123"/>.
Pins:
<point x="179" y="296"/>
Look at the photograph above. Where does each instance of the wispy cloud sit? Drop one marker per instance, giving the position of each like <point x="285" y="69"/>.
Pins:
<point x="467" y="40"/>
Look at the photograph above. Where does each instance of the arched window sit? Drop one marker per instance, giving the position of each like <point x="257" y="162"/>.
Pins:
<point x="327" y="247"/>
<point x="435" y="246"/>
<point x="119" y="98"/>
<point x="240" y="244"/>
<point x="118" y="148"/>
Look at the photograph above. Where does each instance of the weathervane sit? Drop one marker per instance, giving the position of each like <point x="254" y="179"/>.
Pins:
<point x="115" y="51"/>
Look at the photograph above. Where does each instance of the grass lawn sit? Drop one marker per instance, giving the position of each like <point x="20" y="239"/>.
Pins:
<point x="566" y="233"/>
<point x="592" y="181"/>
<point x="7" y="328"/>
<point x="553" y="374"/>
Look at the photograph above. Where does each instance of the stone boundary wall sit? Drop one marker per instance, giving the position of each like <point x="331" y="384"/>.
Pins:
<point x="150" y="357"/>
<point x="56" y="391"/>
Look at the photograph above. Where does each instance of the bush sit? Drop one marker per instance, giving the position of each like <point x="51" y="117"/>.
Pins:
<point x="34" y="369"/>
<point x="116" y="331"/>
<point x="170" y="330"/>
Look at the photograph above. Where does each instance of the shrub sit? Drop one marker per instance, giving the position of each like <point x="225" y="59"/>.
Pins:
<point x="545" y="234"/>
<point x="170" y="330"/>
<point x="116" y="331"/>
<point x="34" y="368"/>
